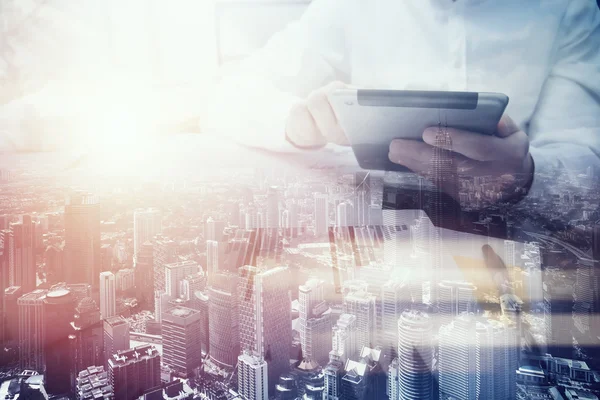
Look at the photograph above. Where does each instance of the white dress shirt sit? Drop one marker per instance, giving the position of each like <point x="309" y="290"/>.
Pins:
<point x="544" y="54"/>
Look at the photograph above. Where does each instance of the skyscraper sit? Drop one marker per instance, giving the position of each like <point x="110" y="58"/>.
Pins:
<point x="4" y="237"/>
<point x="31" y="329"/>
<point x="443" y="207"/>
<point x="165" y="252"/>
<point x="116" y="335"/>
<point x="212" y="257"/>
<point x="321" y="214"/>
<point x="224" y="316"/>
<point x="133" y="371"/>
<point x="362" y="304"/>
<point x="82" y="239"/>
<point x="253" y="379"/>
<point x="345" y="338"/>
<point x="498" y="359"/>
<point x="362" y="191"/>
<point x="54" y="263"/>
<point x="315" y="322"/>
<point x="415" y="356"/>
<point x="454" y="298"/>
<point x="272" y="208"/>
<point x="147" y="223"/>
<point x="59" y="308"/>
<point x="108" y="300"/>
<point x="458" y="359"/>
<point x="209" y="230"/>
<point x="345" y="214"/>
<point x="88" y="348"/>
<point x="265" y="317"/>
<point x="558" y="317"/>
<point x="175" y="273"/>
<point x="144" y="276"/>
<point x="22" y="255"/>
<point x="182" y="340"/>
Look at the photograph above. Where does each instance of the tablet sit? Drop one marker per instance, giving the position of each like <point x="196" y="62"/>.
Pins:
<point x="371" y="119"/>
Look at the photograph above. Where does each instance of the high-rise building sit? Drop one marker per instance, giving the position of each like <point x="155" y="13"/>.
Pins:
<point x="165" y="252"/>
<point x="415" y="356"/>
<point x="455" y="298"/>
<point x="510" y="258"/>
<point x="212" y="257"/>
<point x="497" y="360"/>
<point x="457" y="367"/>
<point x="272" y="221"/>
<point x="4" y="235"/>
<point x="88" y="345"/>
<point x="147" y="223"/>
<point x="209" y="230"/>
<point x="345" y="214"/>
<point x="558" y="317"/>
<point x="364" y="379"/>
<point x="125" y="279"/>
<point x="586" y="296"/>
<point x="321" y="214"/>
<point x="315" y="322"/>
<point x="59" y="308"/>
<point x="31" y="329"/>
<point x="11" y="313"/>
<point x="144" y="276"/>
<point x="133" y="371"/>
<point x="21" y="255"/>
<point x="345" y="338"/>
<point x="223" y="314"/>
<point x="54" y="263"/>
<point x="199" y="302"/>
<point x="116" y="335"/>
<point x="265" y="317"/>
<point x="362" y="191"/>
<point x="253" y="379"/>
<point x="93" y="383"/>
<point x="175" y="273"/>
<point x="108" y="300"/>
<point x="181" y="340"/>
<point x="193" y="284"/>
<point x="362" y="304"/>
<point x="333" y="374"/>
<point x="82" y="240"/>
<point x="392" y="302"/>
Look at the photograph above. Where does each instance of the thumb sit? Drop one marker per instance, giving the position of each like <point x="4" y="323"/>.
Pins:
<point x="506" y="127"/>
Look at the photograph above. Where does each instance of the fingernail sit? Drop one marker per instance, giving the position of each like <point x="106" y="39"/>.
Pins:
<point x="429" y="135"/>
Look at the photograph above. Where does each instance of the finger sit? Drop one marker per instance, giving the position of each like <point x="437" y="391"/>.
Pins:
<point x="324" y="116"/>
<point x="484" y="147"/>
<point x="506" y="127"/>
<point x="496" y="268"/>
<point x="301" y="128"/>
<point x="412" y="154"/>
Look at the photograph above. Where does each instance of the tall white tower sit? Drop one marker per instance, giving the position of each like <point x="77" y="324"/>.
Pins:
<point x="108" y="307"/>
<point x="415" y="355"/>
<point x="253" y="380"/>
<point x="212" y="256"/>
<point x="321" y="214"/>
<point x="146" y="224"/>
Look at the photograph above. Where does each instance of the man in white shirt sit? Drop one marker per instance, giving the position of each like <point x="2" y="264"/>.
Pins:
<point x="544" y="54"/>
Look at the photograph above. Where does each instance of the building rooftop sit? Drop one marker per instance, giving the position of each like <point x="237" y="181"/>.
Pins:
<point x="137" y="353"/>
<point x="181" y="312"/>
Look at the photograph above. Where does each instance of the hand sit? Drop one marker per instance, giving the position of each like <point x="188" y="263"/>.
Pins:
<point x="504" y="156"/>
<point x="312" y="123"/>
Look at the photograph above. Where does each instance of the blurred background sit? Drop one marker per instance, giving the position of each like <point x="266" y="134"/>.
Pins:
<point x="65" y="63"/>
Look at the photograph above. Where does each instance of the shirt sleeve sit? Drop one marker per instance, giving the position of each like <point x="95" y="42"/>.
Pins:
<point x="565" y="127"/>
<point x="251" y="104"/>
